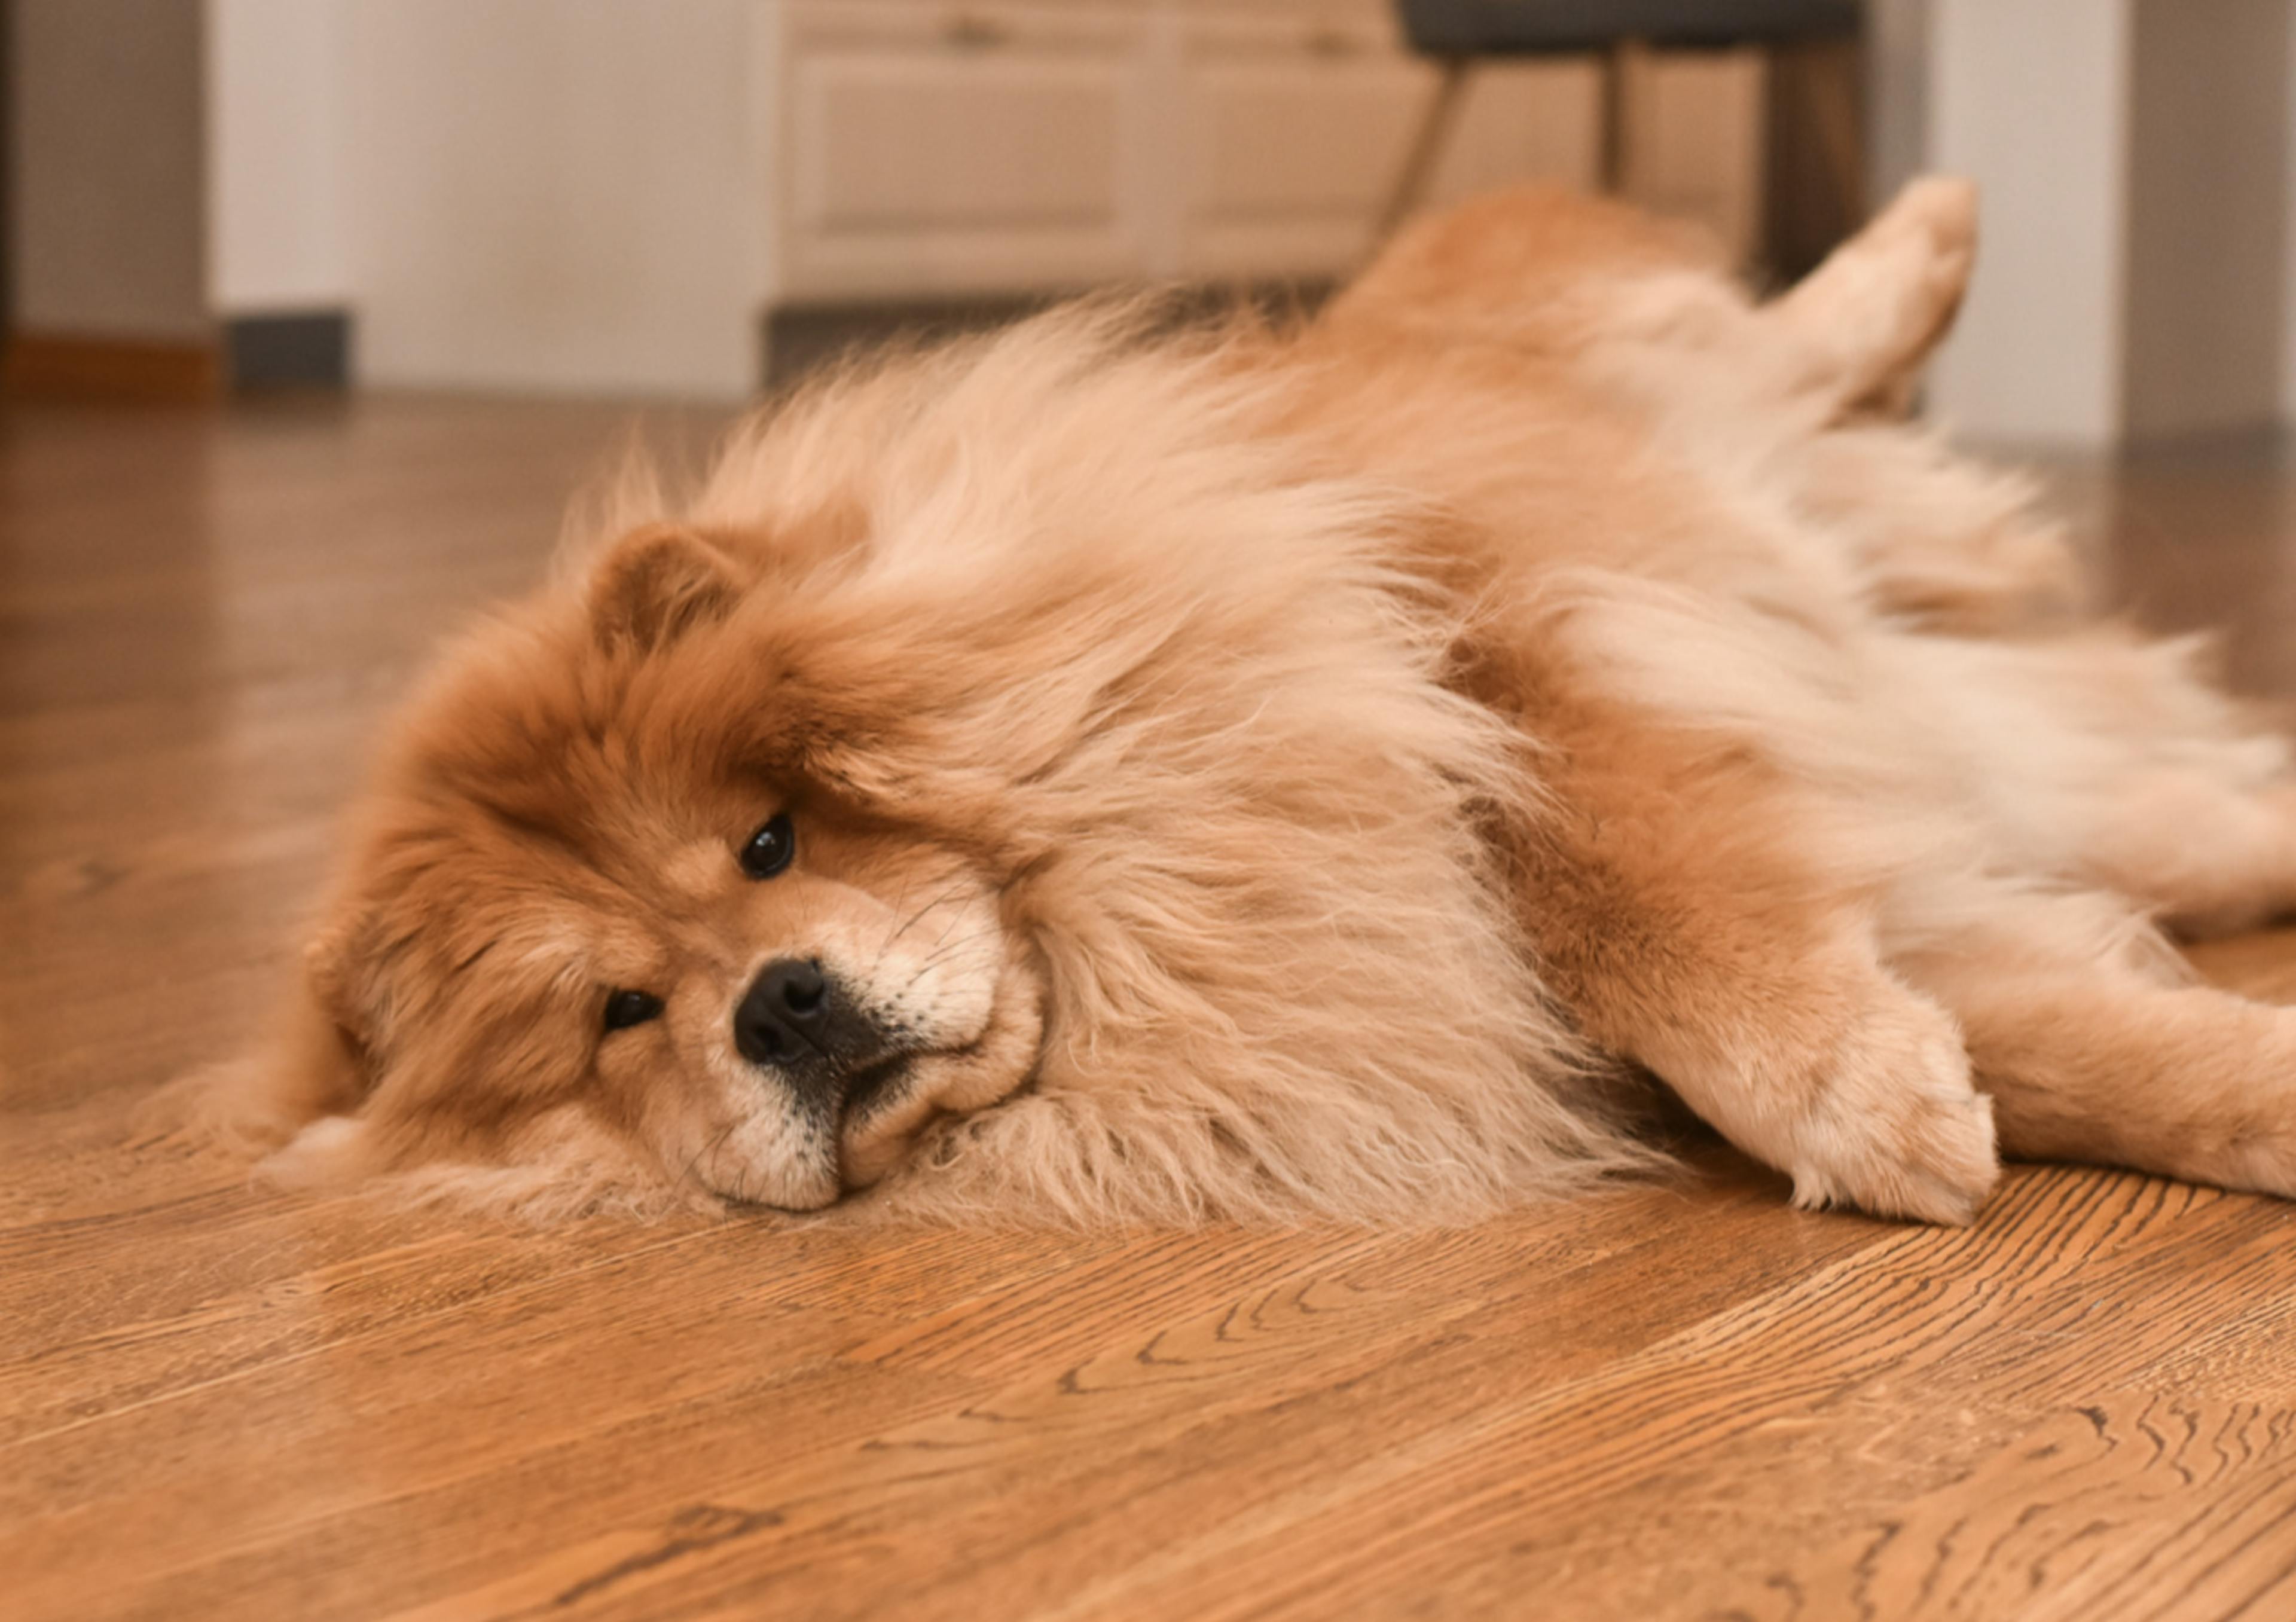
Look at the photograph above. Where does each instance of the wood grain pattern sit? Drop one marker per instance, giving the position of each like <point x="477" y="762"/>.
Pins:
<point x="2138" y="1504"/>
<point x="1684" y="1401"/>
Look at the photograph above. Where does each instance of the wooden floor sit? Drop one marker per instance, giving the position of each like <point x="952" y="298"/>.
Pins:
<point x="1687" y="1402"/>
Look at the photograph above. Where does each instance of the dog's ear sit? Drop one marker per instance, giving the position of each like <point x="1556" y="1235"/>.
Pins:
<point x="656" y="583"/>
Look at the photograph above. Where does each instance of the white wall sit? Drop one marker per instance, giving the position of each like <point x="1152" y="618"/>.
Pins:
<point x="2030" y="99"/>
<point x="2208" y="204"/>
<point x="2288" y="239"/>
<point x="107" y="193"/>
<point x="2137" y="272"/>
<point x="555" y="194"/>
<point x="551" y="194"/>
<point x="277" y="72"/>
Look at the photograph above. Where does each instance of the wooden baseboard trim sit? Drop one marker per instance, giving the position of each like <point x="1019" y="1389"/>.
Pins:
<point x="49" y="366"/>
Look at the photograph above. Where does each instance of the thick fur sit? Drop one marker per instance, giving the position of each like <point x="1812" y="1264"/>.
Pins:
<point x="1270" y="774"/>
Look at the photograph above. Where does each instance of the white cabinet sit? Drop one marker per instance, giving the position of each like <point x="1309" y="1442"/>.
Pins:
<point x="1288" y="133"/>
<point x="924" y="149"/>
<point x="927" y="149"/>
<point x="1525" y="120"/>
<point x="1292" y="131"/>
<point x="1697" y="142"/>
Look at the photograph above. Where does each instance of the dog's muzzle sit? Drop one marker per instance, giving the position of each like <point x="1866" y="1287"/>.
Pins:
<point x="804" y="1026"/>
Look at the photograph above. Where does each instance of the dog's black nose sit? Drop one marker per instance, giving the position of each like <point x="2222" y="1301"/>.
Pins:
<point x="785" y="1014"/>
<point x="800" y="1023"/>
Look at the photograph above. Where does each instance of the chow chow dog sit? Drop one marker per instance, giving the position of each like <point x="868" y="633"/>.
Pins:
<point x="1116" y="769"/>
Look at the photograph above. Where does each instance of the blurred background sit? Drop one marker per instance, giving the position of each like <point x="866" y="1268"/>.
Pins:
<point x="687" y="199"/>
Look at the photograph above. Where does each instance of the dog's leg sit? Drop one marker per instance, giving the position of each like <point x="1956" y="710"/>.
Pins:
<point x="2207" y="858"/>
<point x="1944" y="542"/>
<point x="2100" y="1062"/>
<point x="2108" y="762"/>
<point x="2197" y="818"/>
<point x="1862" y="324"/>
<point x="1679" y="917"/>
<point x="2197" y="822"/>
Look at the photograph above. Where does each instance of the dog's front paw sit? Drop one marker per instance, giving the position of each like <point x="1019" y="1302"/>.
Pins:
<point x="1899" y="1130"/>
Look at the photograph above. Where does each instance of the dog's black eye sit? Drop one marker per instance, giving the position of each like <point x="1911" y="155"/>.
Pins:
<point x="624" y="1009"/>
<point x="770" y="848"/>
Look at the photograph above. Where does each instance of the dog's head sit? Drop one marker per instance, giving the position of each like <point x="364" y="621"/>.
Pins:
<point x="616" y="911"/>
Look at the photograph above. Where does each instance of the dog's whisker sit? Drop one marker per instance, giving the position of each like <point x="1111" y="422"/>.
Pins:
<point x="919" y="913"/>
<point x="886" y="945"/>
<point x="709" y="1149"/>
<point x="965" y="939"/>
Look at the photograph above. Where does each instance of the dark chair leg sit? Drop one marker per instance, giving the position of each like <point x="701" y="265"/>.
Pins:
<point x="1625" y="74"/>
<point x="1814" y="162"/>
<point x="1426" y="148"/>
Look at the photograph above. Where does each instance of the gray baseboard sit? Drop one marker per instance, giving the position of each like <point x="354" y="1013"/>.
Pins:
<point x="302" y="349"/>
<point x="800" y="338"/>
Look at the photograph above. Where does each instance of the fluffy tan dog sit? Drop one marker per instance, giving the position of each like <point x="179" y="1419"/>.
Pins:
<point x="1097" y="774"/>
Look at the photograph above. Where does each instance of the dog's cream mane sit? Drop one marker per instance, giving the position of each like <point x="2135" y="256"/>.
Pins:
<point x="1183" y="684"/>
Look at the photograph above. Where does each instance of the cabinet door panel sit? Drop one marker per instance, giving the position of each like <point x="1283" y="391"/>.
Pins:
<point x="1288" y="156"/>
<point x="1696" y="142"/>
<point x="932" y="153"/>
<point x="1533" y="120"/>
<point x="1293" y="136"/>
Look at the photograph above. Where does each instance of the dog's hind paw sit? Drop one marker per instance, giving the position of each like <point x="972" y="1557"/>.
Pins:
<point x="1864" y="321"/>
